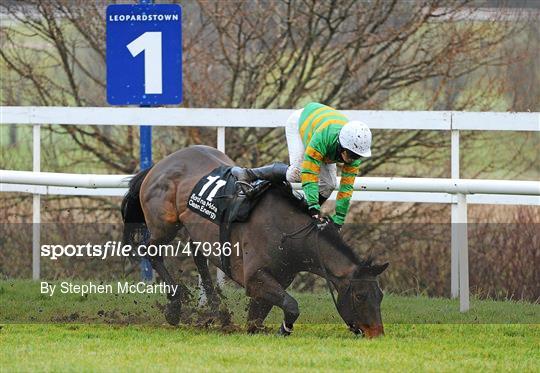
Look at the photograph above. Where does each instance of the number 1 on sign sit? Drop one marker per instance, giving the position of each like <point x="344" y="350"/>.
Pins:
<point x="150" y="43"/>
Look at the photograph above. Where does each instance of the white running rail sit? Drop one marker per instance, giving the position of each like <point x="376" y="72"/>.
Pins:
<point x="456" y="191"/>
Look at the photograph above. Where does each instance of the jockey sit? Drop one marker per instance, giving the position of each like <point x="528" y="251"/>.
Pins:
<point x="318" y="137"/>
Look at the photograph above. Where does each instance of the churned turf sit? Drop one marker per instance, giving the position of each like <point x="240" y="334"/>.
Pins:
<point x="421" y="334"/>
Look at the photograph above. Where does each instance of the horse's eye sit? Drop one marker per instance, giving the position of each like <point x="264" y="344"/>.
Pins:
<point x="361" y="297"/>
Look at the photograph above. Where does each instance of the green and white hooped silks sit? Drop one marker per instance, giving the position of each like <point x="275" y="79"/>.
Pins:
<point x="328" y="172"/>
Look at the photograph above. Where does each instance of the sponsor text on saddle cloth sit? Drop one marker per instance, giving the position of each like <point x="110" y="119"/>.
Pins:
<point x="219" y="198"/>
<point x="210" y="196"/>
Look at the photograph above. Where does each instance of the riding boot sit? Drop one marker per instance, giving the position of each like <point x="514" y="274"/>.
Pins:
<point x="275" y="172"/>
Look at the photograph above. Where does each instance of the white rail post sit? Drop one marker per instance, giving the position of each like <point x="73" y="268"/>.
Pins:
<point x="36" y="204"/>
<point x="220" y="275"/>
<point x="454" y="255"/>
<point x="463" y="253"/>
<point x="221" y="139"/>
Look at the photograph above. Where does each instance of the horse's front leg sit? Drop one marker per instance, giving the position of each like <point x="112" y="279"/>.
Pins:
<point x="263" y="286"/>
<point x="257" y="312"/>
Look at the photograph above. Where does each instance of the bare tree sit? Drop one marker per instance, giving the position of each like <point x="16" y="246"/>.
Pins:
<point x="280" y="54"/>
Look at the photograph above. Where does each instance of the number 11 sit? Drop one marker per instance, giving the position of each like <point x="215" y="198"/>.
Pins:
<point x="211" y="180"/>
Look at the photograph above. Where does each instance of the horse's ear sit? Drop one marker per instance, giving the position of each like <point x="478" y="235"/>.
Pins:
<point x="377" y="269"/>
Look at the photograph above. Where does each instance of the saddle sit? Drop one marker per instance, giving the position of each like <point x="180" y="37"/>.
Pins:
<point x="224" y="199"/>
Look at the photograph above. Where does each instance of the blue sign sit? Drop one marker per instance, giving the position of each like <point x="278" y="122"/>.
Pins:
<point x="144" y="54"/>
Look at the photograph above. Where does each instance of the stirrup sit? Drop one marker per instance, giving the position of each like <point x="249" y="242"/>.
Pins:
<point x="240" y="173"/>
<point x="244" y="187"/>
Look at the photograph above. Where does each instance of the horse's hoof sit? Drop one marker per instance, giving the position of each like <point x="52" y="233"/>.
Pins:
<point x="284" y="331"/>
<point x="172" y="312"/>
<point x="256" y="329"/>
<point x="224" y="316"/>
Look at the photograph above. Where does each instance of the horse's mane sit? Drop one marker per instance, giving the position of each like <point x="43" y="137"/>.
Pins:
<point x="330" y="234"/>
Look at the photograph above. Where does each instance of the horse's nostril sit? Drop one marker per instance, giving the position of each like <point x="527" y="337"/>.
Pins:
<point x="356" y="331"/>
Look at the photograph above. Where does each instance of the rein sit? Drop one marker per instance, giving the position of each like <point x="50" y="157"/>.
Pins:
<point x="310" y="227"/>
<point x="306" y="230"/>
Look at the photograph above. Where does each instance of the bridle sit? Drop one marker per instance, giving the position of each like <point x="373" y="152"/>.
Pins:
<point x="307" y="229"/>
<point x="303" y="232"/>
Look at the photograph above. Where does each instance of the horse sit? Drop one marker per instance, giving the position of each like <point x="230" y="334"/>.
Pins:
<point x="278" y="241"/>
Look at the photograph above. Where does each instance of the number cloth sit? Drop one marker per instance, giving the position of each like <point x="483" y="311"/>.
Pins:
<point x="207" y="197"/>
<point x="217" y="197"/>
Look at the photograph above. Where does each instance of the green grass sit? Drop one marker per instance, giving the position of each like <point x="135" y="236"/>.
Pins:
<point x="59" y="153"/>
<point x="321" y="347"/>
<point x="421" y="333"/>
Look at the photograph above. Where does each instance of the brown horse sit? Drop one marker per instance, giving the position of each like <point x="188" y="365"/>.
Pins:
<point x="277" y="242"/>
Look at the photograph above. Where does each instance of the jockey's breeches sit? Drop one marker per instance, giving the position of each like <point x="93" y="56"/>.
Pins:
<point x="327" y="175"/>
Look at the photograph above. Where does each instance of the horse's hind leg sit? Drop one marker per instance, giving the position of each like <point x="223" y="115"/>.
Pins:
<point x="202" y="266"/>
<point x="173" y="308"/>
<point x="263" y="286"/>
<point x="159" y="236"/>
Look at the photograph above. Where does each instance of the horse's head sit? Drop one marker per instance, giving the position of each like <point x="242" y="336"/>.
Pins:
<point x="359" y="302"/>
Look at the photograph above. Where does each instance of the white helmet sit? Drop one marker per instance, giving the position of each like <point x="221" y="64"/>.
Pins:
<point x="356" y="137"/>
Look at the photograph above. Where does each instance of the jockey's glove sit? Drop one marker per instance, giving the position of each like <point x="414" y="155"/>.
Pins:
<point x="338" y="226"/>
<point x="323" y="220"/>
<point x="315" y="213"/>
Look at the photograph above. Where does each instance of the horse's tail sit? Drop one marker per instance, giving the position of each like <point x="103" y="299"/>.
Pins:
<point x="132" y="213"/>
